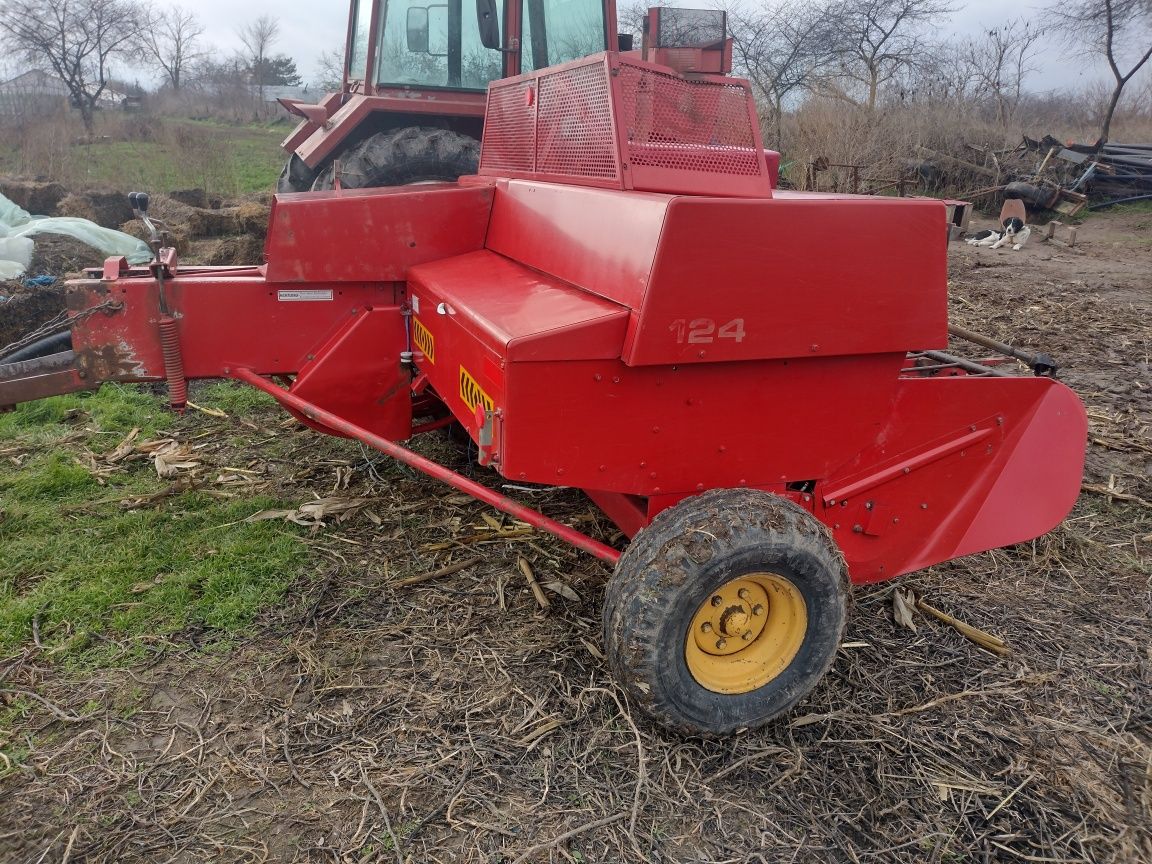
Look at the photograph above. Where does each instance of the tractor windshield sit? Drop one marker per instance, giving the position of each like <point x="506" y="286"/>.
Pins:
<point x="434" y="45"/>
<point x="556" y="31"/>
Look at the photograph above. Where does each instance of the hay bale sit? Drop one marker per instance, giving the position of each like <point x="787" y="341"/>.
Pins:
<point x="191" y="197"/>
<point x="212" y="223"/>
<point x="252" y="218"/>
<point x="235" y="251"/>
<point x="194" y="223"/>
<point x="39" y="199"/>
<point x="176" y="237"/>
<point x="108" y="209"/>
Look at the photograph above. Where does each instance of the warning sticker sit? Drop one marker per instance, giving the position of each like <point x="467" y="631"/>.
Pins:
<point x="424" y="340"/>
<point x="472" y="393"/>
<point x="303" y="295"/>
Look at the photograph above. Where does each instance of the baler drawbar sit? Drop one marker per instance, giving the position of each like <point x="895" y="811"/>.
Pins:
<point x="751" y="383"/>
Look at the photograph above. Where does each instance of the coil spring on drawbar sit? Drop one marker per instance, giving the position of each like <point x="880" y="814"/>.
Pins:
<point x="173" y="364"/>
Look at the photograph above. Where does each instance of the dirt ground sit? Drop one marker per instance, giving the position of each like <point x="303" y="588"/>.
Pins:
<point x="456" y="721"/>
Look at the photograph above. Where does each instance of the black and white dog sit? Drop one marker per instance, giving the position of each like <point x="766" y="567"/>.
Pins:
<point x="1015" y="232"/>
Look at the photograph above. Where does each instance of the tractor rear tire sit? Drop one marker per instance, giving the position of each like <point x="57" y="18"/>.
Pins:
<point x="415" y="154"/>
<point x="725" y="611"/>
<point x="295" y="176"/>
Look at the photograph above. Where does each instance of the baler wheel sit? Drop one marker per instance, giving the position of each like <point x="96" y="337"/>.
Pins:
<point x="414" y="154"/>
<point x="725" y="611"/>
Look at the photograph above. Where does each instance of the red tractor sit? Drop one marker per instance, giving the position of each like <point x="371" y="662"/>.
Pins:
<point x="411" y="108"/>
<point x="751" y="383"/>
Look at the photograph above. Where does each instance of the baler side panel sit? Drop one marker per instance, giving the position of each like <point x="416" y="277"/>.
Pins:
<point x="358" y="374"/>
<point x="599" y="424"/>
<point x="793" y="278"/>
<point x="519" y="313"/>
<point x="961" y="465"/>
<point x="360" y="235"/>
<point x="600" y="240"/>
<point x="472" y="313"/>
<point x="223" y="321"/>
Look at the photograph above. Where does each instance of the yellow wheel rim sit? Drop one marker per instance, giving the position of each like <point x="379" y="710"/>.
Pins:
<point x="745" y="633"/>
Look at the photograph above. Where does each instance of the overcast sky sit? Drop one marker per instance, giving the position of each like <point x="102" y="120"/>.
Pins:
<point x="309" y="27"/>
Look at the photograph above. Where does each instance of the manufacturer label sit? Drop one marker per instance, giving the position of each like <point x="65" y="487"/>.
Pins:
<point x="303" y="295"/>
<point x="472" y="393"/>
<point x="424" y="340"/>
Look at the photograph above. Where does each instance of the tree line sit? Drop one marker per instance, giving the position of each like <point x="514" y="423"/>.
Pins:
<point x="862" y="52"/>
<point x="83" y="41"/>
<point x="858" y="51"/>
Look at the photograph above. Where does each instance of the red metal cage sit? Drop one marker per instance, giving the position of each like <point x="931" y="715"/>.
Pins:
<point x="625" y="124"/>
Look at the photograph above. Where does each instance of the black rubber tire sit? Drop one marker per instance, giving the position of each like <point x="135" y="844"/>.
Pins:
<point x="671" y="567"/>
<point x="414" y="154"/>
<point x="295" y="176"/>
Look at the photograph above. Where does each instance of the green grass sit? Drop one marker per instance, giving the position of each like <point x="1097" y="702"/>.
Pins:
<point x="84" y="566"/>
<point x="157" y="154"/>
<point x="112" y="409"/>
<point x="231" y="397"/>
<point x="230" y="160"/>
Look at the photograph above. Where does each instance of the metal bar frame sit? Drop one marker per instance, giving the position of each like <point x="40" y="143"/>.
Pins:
<point x="433" y="469"/>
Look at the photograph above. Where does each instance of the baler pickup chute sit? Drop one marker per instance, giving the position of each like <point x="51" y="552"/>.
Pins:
<point x="749" y="382"/>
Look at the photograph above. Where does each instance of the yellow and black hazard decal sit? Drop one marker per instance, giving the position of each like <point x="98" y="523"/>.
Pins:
<point x="472" y="393"/>
<point x="424" y="340"/>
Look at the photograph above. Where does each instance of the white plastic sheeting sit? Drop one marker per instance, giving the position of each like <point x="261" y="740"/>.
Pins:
<point x="15" y="255"/>
<point x="18" y="227"/>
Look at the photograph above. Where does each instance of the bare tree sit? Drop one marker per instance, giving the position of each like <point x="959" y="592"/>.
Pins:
<point x="1120" y="30"/>
<point x="330" y="70"/>
<point x="1002" y="60"/>
<point x="631" y="15"/>
<point x="258" y="37"/>
<point x="944" y="77"/>
<point x="880" y="38"/>
<point x="781" y="50"/>
<point x="172" y="41"/>
<point x="78" y="39"/>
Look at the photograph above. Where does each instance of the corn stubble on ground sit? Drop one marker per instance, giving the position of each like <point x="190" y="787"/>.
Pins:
<point x="372" y="716"/>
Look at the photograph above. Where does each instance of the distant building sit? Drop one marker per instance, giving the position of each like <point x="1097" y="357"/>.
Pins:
<point x="36" y="93"/>
<point x="32" y="94"/>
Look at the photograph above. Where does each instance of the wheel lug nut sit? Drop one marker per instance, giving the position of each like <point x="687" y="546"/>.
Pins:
<point x="720" y="643"/>
<point x="757" y="609"/>
<point x="743" y="593"/>
<point x="717" y="600"/>
<point x="706" y="626"/>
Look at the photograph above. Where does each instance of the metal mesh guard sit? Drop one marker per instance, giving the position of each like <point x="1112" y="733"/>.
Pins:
<point x="574" y="132"/>
<point x="509" y="129"/>
<point x="561" y="124"/>
<point x="697" y="126"/>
